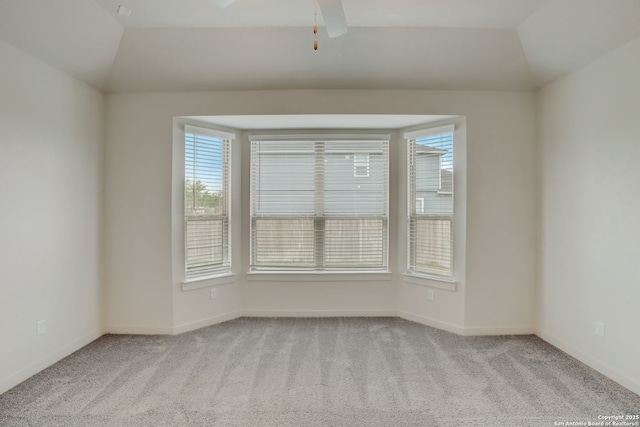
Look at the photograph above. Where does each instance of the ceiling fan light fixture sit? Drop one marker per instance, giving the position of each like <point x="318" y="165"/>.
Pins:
<point x="315" y="26"/>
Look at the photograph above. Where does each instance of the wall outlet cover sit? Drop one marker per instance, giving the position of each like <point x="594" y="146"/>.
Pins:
<point x="430" y="294"/>
<point x="41" y="326"/>
<point x="599" y="329"/>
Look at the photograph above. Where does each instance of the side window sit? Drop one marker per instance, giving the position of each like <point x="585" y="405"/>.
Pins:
<point x="430" y="210"/>
<point x="206" y="203"/>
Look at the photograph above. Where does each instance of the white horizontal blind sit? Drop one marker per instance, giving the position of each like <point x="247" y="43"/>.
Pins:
<point x="319" y="205"/>
<point x="430" y="206"/>
<point x="206" y="203"/>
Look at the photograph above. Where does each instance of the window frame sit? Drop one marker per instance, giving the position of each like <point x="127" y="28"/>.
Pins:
<point x="222" y="270"/>
<point x="289" y="273"/>
<point x="413" y="274"/>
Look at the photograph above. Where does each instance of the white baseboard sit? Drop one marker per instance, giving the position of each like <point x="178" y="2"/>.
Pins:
<point x="139" y="330"/>
<point x="509" y="330"/>
<point x="319" y="313"/>
<point x="191" y="326"/>
<point x="186" y="327"/>
<point x="606" y="370"/>
<point x="459" y="330"/>
<point x="449" y="327"/>
<point x="43" y="363"/>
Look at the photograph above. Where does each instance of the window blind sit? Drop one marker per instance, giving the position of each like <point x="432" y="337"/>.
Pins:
<point x="206" y="202"/>
<point x="430" y="206"/>
<point x="319" y="204"/>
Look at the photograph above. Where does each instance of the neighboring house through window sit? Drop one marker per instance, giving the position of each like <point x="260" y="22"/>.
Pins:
<point x="361" y="165"/>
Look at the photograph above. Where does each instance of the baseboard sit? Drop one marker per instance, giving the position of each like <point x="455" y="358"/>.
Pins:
<point x="509" y="330"/>
<point x="139" y="330"/>
<point x="186" y="327"/>
<point x="43" y="363"/>
<point x="191" y="326"/>
<point x="319" y="313"/>
<point x="449" y="327"/>
<point x="617" y="376"/>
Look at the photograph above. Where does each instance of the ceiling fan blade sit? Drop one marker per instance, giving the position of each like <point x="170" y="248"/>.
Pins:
<point x="221" y="3"/>
<point x="333" y="16"/>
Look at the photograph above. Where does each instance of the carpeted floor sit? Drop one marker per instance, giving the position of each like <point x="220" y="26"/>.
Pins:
<point x="315" y="372"/>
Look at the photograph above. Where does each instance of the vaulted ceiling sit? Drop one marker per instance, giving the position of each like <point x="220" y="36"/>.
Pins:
<point x="190" y="45"/>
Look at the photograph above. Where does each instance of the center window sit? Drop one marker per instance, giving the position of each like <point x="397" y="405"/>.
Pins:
<point x="319" y="204"/>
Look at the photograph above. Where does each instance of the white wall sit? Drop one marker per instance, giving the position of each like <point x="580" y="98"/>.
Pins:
<point x="590" y="214"/>
<point x="51" y="134"/>
<point x="501" y="206"/>
<point x="331" y="294"/>
<point x="497" y="286"/>
<point x="138" y="218"/>
<point x="500" y="234"/>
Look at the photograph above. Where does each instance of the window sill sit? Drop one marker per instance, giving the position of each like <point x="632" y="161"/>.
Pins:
<point x="318" y="276"/>
<point x="208" y="282"/>
<point x="431" y="281"/>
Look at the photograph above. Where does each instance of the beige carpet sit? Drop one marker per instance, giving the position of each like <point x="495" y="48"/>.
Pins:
<point x="315" y="372"/>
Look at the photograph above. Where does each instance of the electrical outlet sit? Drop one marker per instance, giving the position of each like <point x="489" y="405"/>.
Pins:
<point x="430" y="294"/>
<point x="214" y="293"/>
<point x="41" y="326"/>
<point x="599" y="329"/>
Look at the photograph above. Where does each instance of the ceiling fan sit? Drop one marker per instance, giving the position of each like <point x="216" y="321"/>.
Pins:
<point x="331" y="10"/>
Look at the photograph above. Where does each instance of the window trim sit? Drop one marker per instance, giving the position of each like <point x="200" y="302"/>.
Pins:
<point x="413" y="276"/>
<point x="208" y="282"/>
<point x="429" y="131"/>
<point x="320" y="137"/>
<point x="330" y="273"/>
<point x="318" y="275"/>
<point x="447" y="284"/>
<point x="222" y="274"/>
